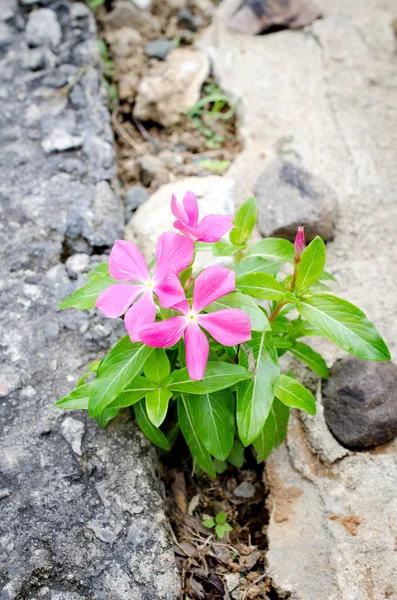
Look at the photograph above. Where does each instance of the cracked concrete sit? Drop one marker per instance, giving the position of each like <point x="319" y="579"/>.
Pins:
<point x="327" y="96"/>
<point x="70" y="493"/>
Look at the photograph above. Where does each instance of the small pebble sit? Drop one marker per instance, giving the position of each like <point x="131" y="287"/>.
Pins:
<point x="159" y="48"/>
<point x="244" y="490"/>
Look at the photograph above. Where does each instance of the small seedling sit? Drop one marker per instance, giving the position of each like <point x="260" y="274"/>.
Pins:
<point x="214" y="106"/>
<point x="220" y="524"/>
<point x="215" y="166"/>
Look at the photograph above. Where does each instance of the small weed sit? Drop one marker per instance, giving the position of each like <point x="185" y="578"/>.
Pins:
<point x="215" y="166"/>
<point x="220" y="524"/>
<point x="95" y="3"/>
<point x="213" y="107"/>
<point x="108" y="72"/>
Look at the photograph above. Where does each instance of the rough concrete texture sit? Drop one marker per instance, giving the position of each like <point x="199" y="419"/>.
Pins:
<point x="327" y="96"/>
<point x="81" y="509"/>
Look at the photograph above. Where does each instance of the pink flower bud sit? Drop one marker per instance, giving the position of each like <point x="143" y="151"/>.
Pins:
<point x="299" y="244"/>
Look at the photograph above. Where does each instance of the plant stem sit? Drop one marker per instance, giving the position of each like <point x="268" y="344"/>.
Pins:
<point x="296" y="263"/>
<point x="276" y="311"/>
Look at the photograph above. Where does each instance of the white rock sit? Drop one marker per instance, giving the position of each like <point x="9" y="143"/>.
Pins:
<point x="60" y="140"/>
<point x="78" y="263"/>
<point x="173" y="87"/>
<point x="215" y="195"/>
<point x="232" y="581"/>
<point x="142" y="4"/>
<point x="43" y="29"/>
<point x="73" y="430"/>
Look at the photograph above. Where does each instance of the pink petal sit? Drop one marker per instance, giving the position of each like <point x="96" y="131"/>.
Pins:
<point x="228" y="327"/>
<point x="115" y="300"/>
<point x="197" y="348"/>
<point x="174" y="253"/>
<point x="183" y="307"/>
<point x="191" y="208"/>
<point x="164" y="333"/>
<point x="169" y="291"/>
<point x="140" y="314"/>
<point x="211" y="284"/>
<point x="190" y="232"/>
<point x="178" y="211"/>
<point x="213" y="227"/>
<point x="126" y="262"/>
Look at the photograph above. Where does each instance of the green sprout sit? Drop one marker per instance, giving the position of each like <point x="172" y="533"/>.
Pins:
<point x="214" y="106"/>
<point x="220" y="524"/>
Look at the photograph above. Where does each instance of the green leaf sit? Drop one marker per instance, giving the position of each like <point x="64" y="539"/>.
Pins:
<point x="223" y="248"/>
<point x="220" y="518"/>
<point x="210" y="523"/>
<point x="220" y="531"/>
<point x="152" y="433"/>
<point x="220" y="466"/>
<point x="93" y="368"/>
<point x="344" y="324"/>
<point x="311" y="264"/>
<point x="274" y="431"/>
<point x="76" y="400"/>
<point x="292" y="393"/>
<point x="217" y="376"/>
<point x="259" y="321"/>
<point x="136" y="390"/>
<point x="157" y="405"/>
<point x="244" y="221"/>
<point x="227" y="527"/>
<point x="275" y="249"/>
<point x="254" y="397"/>
<point x="106" y="415"/>
<point x="261" y="285"/>
<point x="325" y="276"/>
<point x="312" y="359"/>
<point x="256" y="264"/>
<point x="119" y="367"/>
<point x="99" y="272"/>
<point x="213" y="420"/>
<point x="85" y="297"/>
<point x="196" y="446"/>
<point x="236" y="456"/>
<point x="157" y="366"/>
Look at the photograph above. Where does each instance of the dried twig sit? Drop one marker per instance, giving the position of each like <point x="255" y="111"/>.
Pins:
<point x="122" y="132"/>
<point x="145" y="134"/>
<point x="252" y="584"/>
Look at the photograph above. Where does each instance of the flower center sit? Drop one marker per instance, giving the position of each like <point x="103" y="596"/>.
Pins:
<point x="150" y="284"/>
<point x="192" y="316"/>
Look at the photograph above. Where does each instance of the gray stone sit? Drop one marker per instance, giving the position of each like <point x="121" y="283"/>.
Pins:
<point x="43" y="29"/>
<point x="159" y="48"/>
<point x="151" y="168"/>
<point x="143" y="4"/>
<point x="135" y="196"/>
<point x="70" y="492"/>
<point x="360" y="403"/>
<point x="289" y="196"/>
<point x="172" y="87"/>
<point x="245" y="490"/>
<point x="189" y="20"/>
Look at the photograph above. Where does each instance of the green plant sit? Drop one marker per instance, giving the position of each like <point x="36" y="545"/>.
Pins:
<point x="214" y="106"/>
<point x="108" y="72"/>
<point x="202" y="352"/>
<point x="220" y="524"/>
<point x="217" y="167"/>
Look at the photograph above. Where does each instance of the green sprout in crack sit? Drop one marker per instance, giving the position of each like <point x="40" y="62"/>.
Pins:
<point x="213" y="107"/>
<point x="220" y="524"/>
<point x="108" y="72"/>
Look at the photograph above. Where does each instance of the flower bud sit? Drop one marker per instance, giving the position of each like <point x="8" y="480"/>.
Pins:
<point x="299" y="244"/>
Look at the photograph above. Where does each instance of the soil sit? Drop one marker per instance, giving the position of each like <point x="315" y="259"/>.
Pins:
<point x="181" y="148"/>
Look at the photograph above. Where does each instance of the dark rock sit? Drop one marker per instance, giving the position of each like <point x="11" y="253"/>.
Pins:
<point x="360" y="403"/>
<point x="261" y="16"/>
<point x="189" y="20"/>
<point x="289" y="196"/>
<point x="152" y="169"/>
<point x="159" y="48"/>
<point x="135" y="196"/>
<point x="69" y="492"/>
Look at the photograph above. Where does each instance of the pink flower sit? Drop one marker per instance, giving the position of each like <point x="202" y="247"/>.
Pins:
<point x="228" y="327"/>
<point x="174" y="253"/>
<point x="299" y="244"/>
<point x="209" y="229"/>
